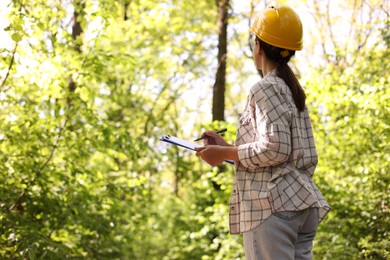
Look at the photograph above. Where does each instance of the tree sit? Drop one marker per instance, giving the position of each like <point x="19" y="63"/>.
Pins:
<point x="348" y="101"/>
<point x="82" y="173"/>
<point x="220" y="79"/>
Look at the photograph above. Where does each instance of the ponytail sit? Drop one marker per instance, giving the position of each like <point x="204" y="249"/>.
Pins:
<point x="284" y="71"/>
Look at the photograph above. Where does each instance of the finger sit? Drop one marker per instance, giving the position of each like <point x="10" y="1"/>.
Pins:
<point x="199" y="149"/>
<point x="206" y="139"/>
<point x="209" y="140"/>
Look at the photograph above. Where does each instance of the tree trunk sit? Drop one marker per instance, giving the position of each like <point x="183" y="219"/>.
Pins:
<point x="218" y="109"/>
<point x="220" y="82"/>
<point x="76" y="32"/>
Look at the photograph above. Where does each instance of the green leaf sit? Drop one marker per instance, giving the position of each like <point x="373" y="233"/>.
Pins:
<point x="16" y="37"/>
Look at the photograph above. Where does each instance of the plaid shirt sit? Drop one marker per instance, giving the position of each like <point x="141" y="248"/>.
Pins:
<point x="277" y="158"/>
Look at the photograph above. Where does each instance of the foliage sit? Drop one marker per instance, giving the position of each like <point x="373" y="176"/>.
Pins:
<point x="351" y="111"/>
<point x="82" y="174"/>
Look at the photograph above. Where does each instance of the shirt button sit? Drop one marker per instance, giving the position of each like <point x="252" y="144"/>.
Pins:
<point x="232" y="208"/>
<point x="234" y="191"/>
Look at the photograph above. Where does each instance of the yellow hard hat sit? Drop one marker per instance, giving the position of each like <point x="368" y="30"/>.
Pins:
<point x="279" y="26"/>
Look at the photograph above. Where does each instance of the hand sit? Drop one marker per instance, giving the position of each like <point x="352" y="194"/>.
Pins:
<point x="212" y="138"/>
<point x="212" y="154"/>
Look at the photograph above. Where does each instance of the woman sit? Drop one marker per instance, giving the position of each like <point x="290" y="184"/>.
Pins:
<point x="274" y="202"/>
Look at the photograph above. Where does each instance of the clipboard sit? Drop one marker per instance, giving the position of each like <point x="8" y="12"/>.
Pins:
<point x="180" y="142"/>
<point x="185" y="144"/>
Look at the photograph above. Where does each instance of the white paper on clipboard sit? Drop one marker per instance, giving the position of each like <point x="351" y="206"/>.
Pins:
<point x="185" y="144"/>
<point x="180" y="142"/>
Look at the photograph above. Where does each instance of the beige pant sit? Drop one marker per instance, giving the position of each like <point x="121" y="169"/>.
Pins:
<point x="283" y="236"/>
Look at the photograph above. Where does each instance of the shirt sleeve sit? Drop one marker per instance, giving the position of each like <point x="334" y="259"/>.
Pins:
<point x="270" y="116"/>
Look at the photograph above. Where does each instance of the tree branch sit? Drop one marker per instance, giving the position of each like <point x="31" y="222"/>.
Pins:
<point x="31" y="182"/>
<point x="9" y="67"/>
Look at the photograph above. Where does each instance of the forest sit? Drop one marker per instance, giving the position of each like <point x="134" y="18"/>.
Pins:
<point x="88" y="88"/>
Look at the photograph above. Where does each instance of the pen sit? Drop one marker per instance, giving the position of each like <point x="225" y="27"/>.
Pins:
<point x="218" y="132"/>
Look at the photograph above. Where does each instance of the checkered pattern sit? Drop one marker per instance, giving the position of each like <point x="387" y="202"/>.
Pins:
<point x="277" y="158"/>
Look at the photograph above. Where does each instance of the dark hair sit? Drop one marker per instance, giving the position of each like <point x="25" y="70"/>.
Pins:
<point x="284" y="71"/>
